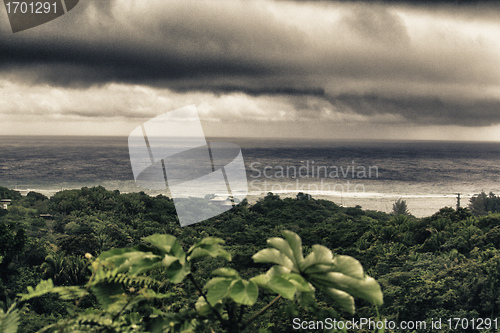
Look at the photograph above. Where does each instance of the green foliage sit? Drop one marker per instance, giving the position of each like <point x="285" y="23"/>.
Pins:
<point x="5" y="193"/>
<point x="482" y="204"/>
<point x="131" y="301"/>
<point x="338" y="277"/>
<point x="445" y="265"/>
<point x="12" y="243"/>
<point x="9" y="320"/>
<point x="400" y="208"/>
<point x="65" y="270"/>
<point x="47" y="286"/>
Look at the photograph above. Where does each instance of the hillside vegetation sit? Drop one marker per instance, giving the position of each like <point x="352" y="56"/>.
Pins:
<point x="443" y="266"/>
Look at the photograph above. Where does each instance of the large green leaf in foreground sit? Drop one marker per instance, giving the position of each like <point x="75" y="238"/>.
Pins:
<point x="339" y="277"/>
<point x="9" y="320"/>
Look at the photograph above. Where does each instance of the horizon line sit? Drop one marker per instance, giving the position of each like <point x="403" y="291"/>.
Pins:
<point x="268" y="138"/>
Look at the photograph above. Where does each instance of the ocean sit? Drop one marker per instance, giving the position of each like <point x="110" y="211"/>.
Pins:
<point x="372" y="174"/>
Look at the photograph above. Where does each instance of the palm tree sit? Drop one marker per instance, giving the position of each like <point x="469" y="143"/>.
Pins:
<point x="76" y="270"/>
<point x="53" y="267"/>
<point x="400" y="208"/>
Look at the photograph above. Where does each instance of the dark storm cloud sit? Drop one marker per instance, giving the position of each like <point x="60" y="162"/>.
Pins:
<point x="378" y="26"/>
<point x="209" y="43"/>
<point x="423" y="110"/>
<point x="257" y="91"/>
<point x="86" y="64"/>
<point x="243" y="48"/>
<point x="357" y="62"/>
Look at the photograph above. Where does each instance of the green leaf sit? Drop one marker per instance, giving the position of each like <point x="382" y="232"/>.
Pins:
<point x="107" y="293"/>
<point x="342" y="298"/>
<point x="341" y="276"/>
<point x="47" y="286"/>
<point x="69" y="293"/>
<point x="366" y="288"/>
<point x="370" y="290"/>
<point x="212" y="251"/>
<point x="282" y="286"/>
<point x="244" y="292"/>
<point x="202" y="307"/>
<point x="169" y="260"/>
<point x="176" y="272"/>
<point x="348" y="266"/>
<point x="9" y="321"/>
<point x="167" y="243"/>
<point x="198" y="253"/>
<point x="225" y="271"/>
<point x="260" y="280"/>
<point x="114" y="258"/>
<point x="132" y="261"/>
<point x="320" y="255"/>
<point x="274" y="256"/>
<point x="42" y="288"/>
<point x="208" y="247"/>
<point x="300" y="283"/>
<point x="218" y="291"/>
<point x="295" y="244"/>
<point x="277" y="270"/>
<point x="206" y="241"/>
<point x="132" y="318"/>
<point x="151" y="294"/>
<point x="213" y="281"/>
<point x="319" y="268"/>
<point x="283" y="246"/>
<point x="143" y="264"/>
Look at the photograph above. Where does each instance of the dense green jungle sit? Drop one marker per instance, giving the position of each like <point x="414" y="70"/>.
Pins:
<point x="93" y="260"/>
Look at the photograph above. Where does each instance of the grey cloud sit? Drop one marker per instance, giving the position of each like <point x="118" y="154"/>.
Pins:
<point x="186" y="42"/>
<point x="376" y="24"/>
<point x="423" y="110"/>
<point x="242" y="47"/>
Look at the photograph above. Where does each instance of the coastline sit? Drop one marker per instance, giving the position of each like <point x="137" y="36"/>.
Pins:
<point x="420" y="205"/>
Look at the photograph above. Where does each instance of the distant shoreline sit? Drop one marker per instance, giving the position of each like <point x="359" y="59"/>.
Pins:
<point x="420" y="205"/>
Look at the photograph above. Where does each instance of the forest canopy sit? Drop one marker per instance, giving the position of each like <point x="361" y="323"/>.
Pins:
<point x="445" y="265"/>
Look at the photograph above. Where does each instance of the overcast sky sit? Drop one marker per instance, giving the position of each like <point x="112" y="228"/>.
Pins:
<point x="351" y="70"/>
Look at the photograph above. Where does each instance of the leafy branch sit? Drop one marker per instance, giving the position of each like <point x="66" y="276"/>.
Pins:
<point x="118" y="272"/>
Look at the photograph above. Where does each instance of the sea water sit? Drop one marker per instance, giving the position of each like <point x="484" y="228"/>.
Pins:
<point x="372" y="174"/>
